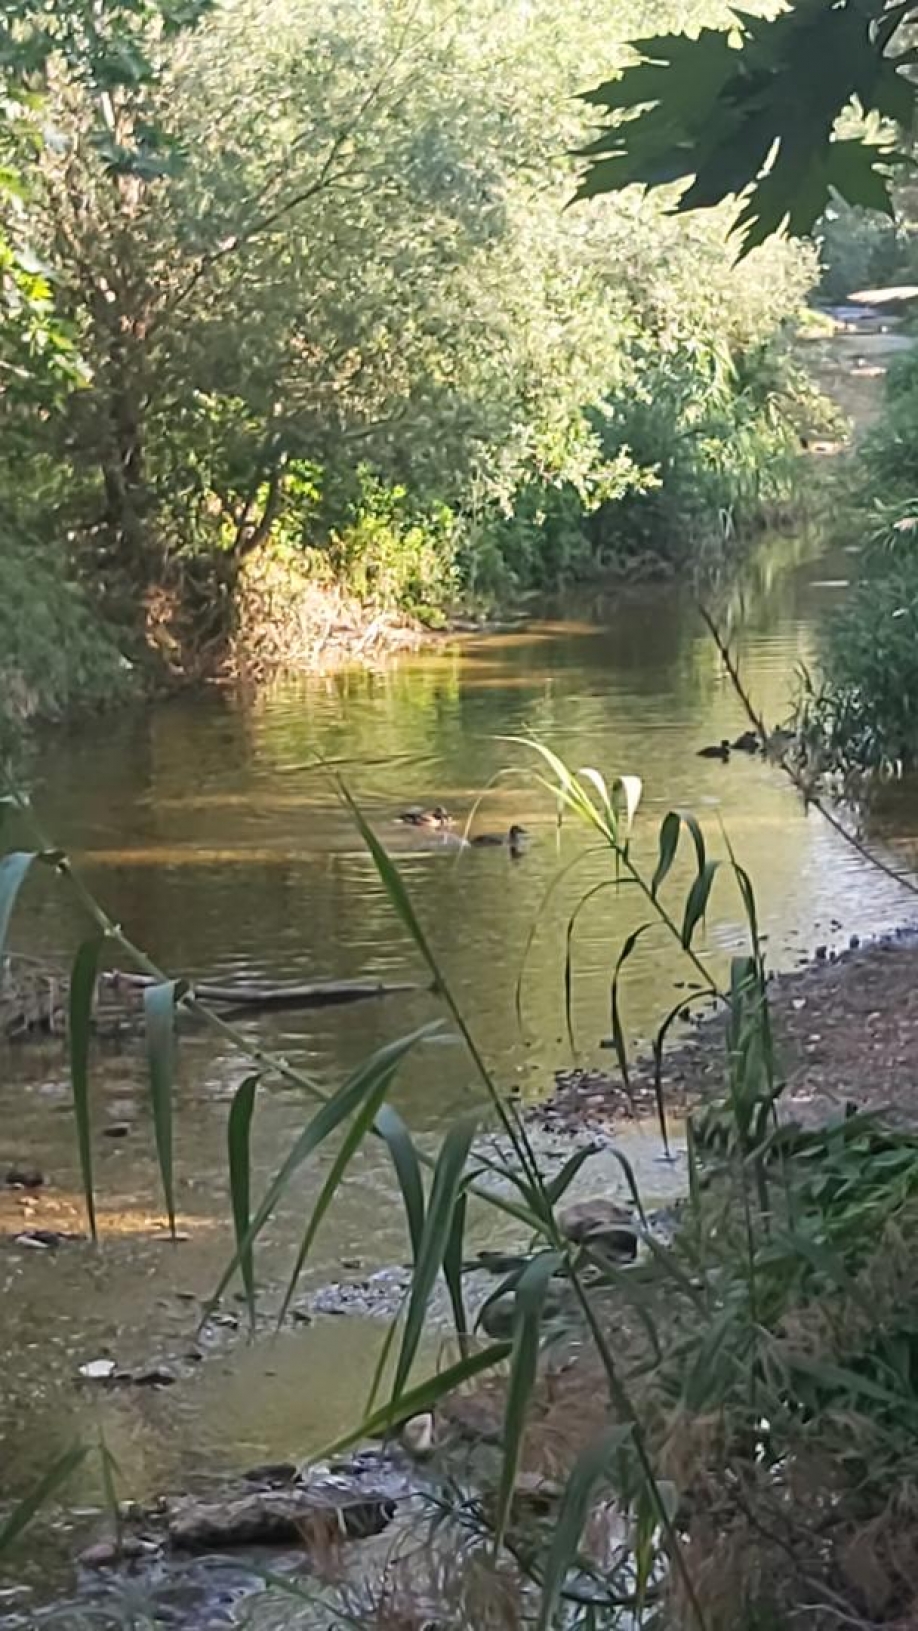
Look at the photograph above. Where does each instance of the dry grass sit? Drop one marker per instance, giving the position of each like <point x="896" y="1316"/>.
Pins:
<point x="288" y="619"/>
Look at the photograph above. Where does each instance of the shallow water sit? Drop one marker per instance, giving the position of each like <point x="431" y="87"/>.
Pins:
<point x="205" y="829"/>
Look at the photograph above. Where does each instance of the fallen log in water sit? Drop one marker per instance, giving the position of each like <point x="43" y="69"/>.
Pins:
<point x="34" y="994"/>
<point x="320" y="994"/>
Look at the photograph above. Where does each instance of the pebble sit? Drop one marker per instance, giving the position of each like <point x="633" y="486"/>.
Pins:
<point x="103" y="1555"/>
<point x="418" y="1434"/>
<point x="153" y="1376"/>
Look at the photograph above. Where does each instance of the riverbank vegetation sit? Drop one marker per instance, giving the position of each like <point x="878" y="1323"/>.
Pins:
<point x="699" y="1428"/>
<point x="859" y="711"/>
<point x="300" y="289"/>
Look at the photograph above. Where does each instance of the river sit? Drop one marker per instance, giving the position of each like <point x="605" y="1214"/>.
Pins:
<point x="206" y="830"/>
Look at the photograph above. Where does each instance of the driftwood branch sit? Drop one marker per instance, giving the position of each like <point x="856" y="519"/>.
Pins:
<point x="321" y="994"/>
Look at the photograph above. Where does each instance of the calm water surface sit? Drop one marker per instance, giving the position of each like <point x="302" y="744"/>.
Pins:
<point x="205" y="831"/>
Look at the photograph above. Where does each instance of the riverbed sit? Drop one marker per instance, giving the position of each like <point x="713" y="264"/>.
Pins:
<point x="208" y="828"/>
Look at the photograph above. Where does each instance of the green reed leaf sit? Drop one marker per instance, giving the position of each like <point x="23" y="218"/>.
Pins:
<point x="670" y="829"/>
<point x="527" y="1322"/>
<point x="333" y="1112"/>
<point x="697" y="902"/>
<point x="239" y="1155"/>
<point x="593" y="1465"/>
<point x="425" y="1396"/>
<point x="159" y="1011"/>
<point x="359" y="1129"/>
<point x="83" y="976"/>
<point x="453" y="1258"/>
<point x="562" y="1180"/>
<point x="13" y="872"/>
<point x="438" y="1222"/>
<point x="618" y="1034"/>
<point x="392" y="1129"/>
<point x="39" y="1496"/>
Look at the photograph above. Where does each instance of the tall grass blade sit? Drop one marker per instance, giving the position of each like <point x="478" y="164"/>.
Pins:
<point x="39" y="1496"/>
<point x="13" y="871"/>
<point x="524" y="1363"/>
<point x="159" y="1011"/>
<point x="562" y="1180"/>
<point x="424" y="1396"/>
<point x="395" y="888"/>
<point x="333" y="1112"/>
<point x="83" y="977"/>
<point x="597" y="889"/>
<point x="631" y="789"/>
<point x="697" y="903"/>
<point x="239" y="1155"/>
<point x="397" y="1138"/>
<point x="453" y="1258"/>
<point x="670" y="828"/>
<point x="379" y="1369"/>
<point x="357" y="1132"/>
<point x="618" y="1034"/>
<point x="438" y="1222"/>
<point x="659" y="1043"/>
<point x="555" y="882"/>
<point x="694" y="827"/>
<point x="598" y="780"/>
<point x="592" y="1465"/>
<point x="110" y="1473"/>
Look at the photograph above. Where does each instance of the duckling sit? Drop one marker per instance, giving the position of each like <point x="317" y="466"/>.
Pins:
<point x="747" y="742"/>
<point x="515" y="838"/>
<point x="720" y="752"/>
<point x="416" y="817"/>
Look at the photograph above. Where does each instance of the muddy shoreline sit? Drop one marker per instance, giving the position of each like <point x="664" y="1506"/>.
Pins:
<point x="846" y="1028"/>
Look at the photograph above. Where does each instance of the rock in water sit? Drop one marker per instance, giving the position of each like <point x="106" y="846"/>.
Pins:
<point x="418" y="1434"/>
<point x="604" y="1226"/>
<point x="275" y="1518"/>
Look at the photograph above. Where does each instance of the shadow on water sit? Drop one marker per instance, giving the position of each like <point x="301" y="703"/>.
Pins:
<point x="204" y="830"/>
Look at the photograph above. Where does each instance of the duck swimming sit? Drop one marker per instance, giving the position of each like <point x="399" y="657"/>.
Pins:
<point x="515" y="838"/>
<point x="417" y="817"/>
<point x="720" y="752"/>
<point x="747" y="742"/>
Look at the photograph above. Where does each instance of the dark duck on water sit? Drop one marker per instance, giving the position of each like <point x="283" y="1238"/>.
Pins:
<point x="719" y="751"/>
<point x="515" y="839"/>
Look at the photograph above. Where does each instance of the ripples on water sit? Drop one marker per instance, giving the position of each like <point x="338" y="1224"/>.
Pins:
<point x="204" y="829"/>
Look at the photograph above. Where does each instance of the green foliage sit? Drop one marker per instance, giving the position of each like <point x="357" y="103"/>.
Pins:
<point x="304" y="278"/>
<point x="53" y="653"/>
<point x="860" y="712"/>
<point x="752" y="113"/>
<point x="858" y="250"/>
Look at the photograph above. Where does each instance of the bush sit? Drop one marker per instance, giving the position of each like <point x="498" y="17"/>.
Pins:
<point x="861" y="713"/>
<point x="861" y="250"/>
<point x="54" y="654"/>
